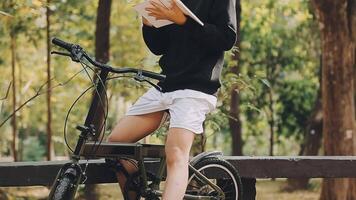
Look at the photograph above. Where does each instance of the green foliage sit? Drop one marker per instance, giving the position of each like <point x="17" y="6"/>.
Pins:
<point x="280" y="51"/>
<point x="278" y="72"/>
<point x="33" y="149"/>
<point x="297" y="101"/>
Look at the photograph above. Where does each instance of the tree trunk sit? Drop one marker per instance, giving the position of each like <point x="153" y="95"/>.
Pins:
<point x="235" y="123"/>
<point x="234" y="120"/>
<point x="337" y="92"/>
<point x="352" y="26"/>
<point x="13" y="121"/>
<point x="271" y="121"/>
<point x="249" y="184"/>
<point x="102" y="32"/>
<point x="50" y="151"/>
<point x="20" y="136"/>
<point x="270" y="109"/>
<point x="102" y="47"/>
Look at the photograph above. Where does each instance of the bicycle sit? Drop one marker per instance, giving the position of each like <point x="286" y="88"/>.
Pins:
<point x="210" y="176"/>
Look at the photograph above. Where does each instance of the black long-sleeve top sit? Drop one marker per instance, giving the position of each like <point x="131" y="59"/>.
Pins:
<point x="193" y="55"/>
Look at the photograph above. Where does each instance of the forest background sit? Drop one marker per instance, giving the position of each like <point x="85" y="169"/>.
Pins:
<point x="287" y="86"/>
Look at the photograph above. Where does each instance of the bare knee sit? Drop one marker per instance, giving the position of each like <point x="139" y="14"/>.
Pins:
<point x="175" y="156"/>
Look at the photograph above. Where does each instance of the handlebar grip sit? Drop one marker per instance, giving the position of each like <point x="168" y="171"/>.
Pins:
<point x="62" y="44"/>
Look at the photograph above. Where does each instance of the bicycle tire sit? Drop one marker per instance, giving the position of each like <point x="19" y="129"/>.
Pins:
<point x="230" y="183"/>
<point x="64" y="189"/>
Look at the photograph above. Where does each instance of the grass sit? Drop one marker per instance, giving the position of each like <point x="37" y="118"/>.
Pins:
<point x="266" y="190"/>
<point x="273" y="190"/>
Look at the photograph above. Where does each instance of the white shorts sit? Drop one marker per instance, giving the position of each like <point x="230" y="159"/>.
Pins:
<point x="187" y="108"/>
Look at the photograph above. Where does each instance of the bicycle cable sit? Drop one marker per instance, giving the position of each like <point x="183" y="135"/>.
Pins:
<point x="81" y="95"/>
<point x="103" y="125"/>
<point x="67" y="116"/>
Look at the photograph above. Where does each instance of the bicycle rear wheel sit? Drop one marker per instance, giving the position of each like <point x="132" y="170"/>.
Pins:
<point x="220" y="172"/>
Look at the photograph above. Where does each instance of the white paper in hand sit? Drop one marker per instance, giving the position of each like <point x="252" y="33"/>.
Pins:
<point x="140" y="8"/>
<point x="188" y="12"/>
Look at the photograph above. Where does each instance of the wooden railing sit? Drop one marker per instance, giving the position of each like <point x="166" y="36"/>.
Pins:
<point x="250" y="168"/>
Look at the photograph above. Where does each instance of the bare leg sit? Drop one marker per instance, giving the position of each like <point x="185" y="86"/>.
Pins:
<point x="131" y="129"/>
<point x="178" y="144"/>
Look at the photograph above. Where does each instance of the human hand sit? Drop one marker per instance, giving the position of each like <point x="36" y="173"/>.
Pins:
<point x="146" y="22"/>
<point x="174" y="14"/>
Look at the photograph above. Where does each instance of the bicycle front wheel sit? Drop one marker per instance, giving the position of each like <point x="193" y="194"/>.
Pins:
<point x="221" y="173"/>
<point x="64" y="190"/>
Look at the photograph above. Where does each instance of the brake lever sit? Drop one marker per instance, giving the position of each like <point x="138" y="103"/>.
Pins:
<point x="154" y="85"/>
<point x="140" y="78"/>
<point x="75" y="58"/>
<point x="61" y="53"/>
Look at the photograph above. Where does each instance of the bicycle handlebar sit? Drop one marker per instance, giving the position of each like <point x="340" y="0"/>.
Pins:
<point x="62" y="44"/>
<point x="76" y="49"/>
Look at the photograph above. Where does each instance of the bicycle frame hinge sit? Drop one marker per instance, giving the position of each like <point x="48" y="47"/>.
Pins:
<point x="85" y="130"/>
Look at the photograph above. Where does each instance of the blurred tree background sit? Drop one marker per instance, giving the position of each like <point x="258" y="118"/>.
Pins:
<point x="271" y="86"/>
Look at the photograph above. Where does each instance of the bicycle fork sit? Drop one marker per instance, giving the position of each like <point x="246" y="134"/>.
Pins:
<point x="72" y="172"/>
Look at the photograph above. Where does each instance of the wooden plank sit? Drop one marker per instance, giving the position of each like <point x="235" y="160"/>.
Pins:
<point x="117" y="149"/>
<point x="295" y="167"/>
<point x="38" y="173"/>
<point x="43" y="173"/>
